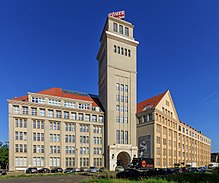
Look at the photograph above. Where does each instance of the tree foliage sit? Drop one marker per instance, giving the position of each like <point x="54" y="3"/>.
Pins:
<point x="4" y="155"/>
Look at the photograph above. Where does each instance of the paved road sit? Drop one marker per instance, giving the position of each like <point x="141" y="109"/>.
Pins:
<point x="48" y="179"/>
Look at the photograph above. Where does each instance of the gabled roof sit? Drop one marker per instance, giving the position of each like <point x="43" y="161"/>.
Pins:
<point x="59" y="92"/>
<point x="150" y="103"/>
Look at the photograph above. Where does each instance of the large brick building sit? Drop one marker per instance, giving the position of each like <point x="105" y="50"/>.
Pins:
<point x="57" y="127"/>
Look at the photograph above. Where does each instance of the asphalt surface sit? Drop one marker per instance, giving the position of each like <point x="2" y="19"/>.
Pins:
<point x="48" y="179"/>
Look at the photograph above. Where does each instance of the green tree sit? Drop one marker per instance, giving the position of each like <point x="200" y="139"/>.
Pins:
<point x="4" y="155"/>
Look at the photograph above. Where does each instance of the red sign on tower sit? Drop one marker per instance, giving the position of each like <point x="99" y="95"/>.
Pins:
<point x="118" y="14"/>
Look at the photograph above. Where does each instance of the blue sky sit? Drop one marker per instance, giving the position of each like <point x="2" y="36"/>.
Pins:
<point x="46" y="44"/>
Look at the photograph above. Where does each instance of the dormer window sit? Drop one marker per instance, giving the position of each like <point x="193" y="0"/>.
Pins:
<point x="84" y="106"/>
<point x="115" y="27"/>
<point x="38" y="100"/>
<point x="126" y="31"/>
<point x="120" y="29"/>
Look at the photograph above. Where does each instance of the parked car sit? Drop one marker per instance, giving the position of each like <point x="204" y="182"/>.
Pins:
<point x="119" y="169"/>
<point x="192" y="169"/>
<point x="93" y="169"/>
<point x="201" y="169"/>
<point x="57" y="170"/>
<point x="44" y="170"/>
<point x="69" y="170"/>
<point x="84" y="169"/>
<point x="184" y="170"/>
<point x="3" y="172"/>
<point x="76" y="169"/>
<point x="102" y="169"/>
<point x="31" y="170"/>
<point x="131" y="174"/>
<point x="213" y="165"/>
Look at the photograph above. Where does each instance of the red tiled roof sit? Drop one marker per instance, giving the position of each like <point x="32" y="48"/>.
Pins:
<point x="152" y="102"/>
<point x="58" y="92"/>
<point x="23" y="98"/>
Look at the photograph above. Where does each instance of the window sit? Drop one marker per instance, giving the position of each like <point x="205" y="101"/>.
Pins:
<point x="122" y="137"/>
<point x="101" y="119"/>
<point x="117" y="108"/>
<point x="25" y="110"/>
<point x="25" y="123"/>
<point x="158" y="140"/>
<point x="94" y="118"/>
<point x="117" y="86"/>
<point x="126" y="88"/>
<point x="59" y="114"/>
<point x="115" y="27"/>
<point x="50" y="113"/>
<point x="38" y="100"/>
<point x="66" y="115"/>
<point x="122" y="51"/>
<point x="122" y="87"/>
<point x="16" y="122"/>
<point x="16" y="109"/>
<point x="150" y="115"/>
<point x="87" y="117"/>
<point x="117" y="119"/>
<point x="84" y="106"/>
<point x="38" y="124"/>
<point x="119" y="49"/>
<point x="54" y="102"/>
<point x="117" y="98"/>
<point x="126" y="31"/>
<point x="114" y="48"/>
<point x="80" y="117"/>
<point x="34" y="111"/>
<point x="126" y="119"/>
<point x="117" y="136"/>
<point x="120" y="29"/>
<point x="69" y="104"/>
<point x="167" y="103"/>
<point x="126" y="137"/>
<point x="125" y="52"/>
<point x="129" y="53"/>
<point x="122" y="98"/>
<point x="126" y="99"/>
<point x="16" y="148"/>
<point x="34" y="124"/>
<point x="73" y="116"/>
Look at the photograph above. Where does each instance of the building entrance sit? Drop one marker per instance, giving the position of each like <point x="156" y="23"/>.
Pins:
<point x="123" y="159"/>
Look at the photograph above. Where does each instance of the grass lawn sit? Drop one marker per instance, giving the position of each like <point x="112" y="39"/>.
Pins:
<point x="177" y="178"/>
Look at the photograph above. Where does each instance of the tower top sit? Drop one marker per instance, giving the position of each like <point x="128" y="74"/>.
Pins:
<point x="118" y="14"/>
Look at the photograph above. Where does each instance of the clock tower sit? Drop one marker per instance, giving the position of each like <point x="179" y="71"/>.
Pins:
<point x="117" y="89"/>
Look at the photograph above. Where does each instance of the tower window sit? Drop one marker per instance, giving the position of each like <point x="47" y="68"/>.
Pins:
<point x="114" y="48"/>
<point x="122" y="87"/>
<point x="117" y="86"/>
<point x="118" y="49"/>
<point x="126" y="88"/>
<point x="129" y="53"/>
<point x="122" y="51"/>
<point x="117" y="108"/>
<point x="125" y="52"/>
<point x="115" y="27"/>
<point x="120" y="29"/>
<point x="122" y="137"/>
<point x="126" y="31"/>
<point x="117" y="136"/>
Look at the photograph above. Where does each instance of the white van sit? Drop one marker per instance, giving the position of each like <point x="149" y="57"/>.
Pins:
<point x="213" y="165"/>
